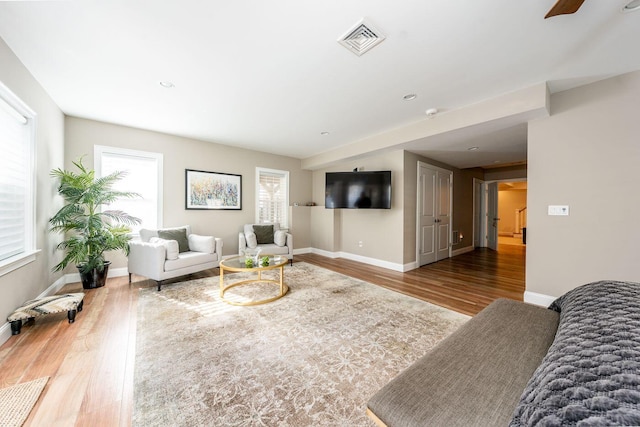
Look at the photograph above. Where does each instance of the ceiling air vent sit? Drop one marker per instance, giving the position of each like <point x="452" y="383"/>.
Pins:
<point x="361" y="38"/>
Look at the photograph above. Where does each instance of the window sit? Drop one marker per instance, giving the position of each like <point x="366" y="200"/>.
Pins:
<point x="17" y="189"/>
<point x="144" y="176"/>
<point x="272" y="196"/>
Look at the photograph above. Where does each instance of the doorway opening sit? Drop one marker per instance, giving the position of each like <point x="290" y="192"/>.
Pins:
<point x="512" y="211"/>
<point x="500" y="213"/>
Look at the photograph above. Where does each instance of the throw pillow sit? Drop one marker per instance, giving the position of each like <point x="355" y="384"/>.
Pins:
<point x="280" y="237"/>
<point x="251" y="239"/>
<point x="177" y="234"/>
<point x="264" y="234"/>
<point x="206" y="244"/>
<point x="171" y="247"/>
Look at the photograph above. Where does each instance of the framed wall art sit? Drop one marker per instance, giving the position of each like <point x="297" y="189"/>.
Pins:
<point x="212" y="190"/>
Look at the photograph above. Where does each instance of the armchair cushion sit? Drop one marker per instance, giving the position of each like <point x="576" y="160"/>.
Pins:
<point x="179" y="235"/>
<point x="146" y="233"/>
<point x="281" y="244"/>
<point x="171" y="246"/>
<point x="273" y="249"/>
<point x="280" y="237"/>
<point x="264" y="234"/>
<point x="206" y="244"/>
<point x="252" y="240"/>
<point x="248" y="228"/>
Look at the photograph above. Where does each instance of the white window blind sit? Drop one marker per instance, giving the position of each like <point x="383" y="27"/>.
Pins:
<point x="143" y="176"/>
<point x="16" y="178"/>
<point x="272" y="196"/>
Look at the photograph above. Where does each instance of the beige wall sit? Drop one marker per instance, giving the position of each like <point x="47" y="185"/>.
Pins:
<point x="184" y="153"/>
<point x="31" y="280"/>
<point x="462" y="202"/>
<point x="506" y="173"/>
<point x="508" y="202"/>
<point x="380" y="230"/>
<point x="586" y="156"/>
<point x="391" y="235"/>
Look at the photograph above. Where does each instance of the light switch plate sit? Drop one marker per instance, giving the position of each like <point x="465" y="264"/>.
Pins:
<point x="562" y="210"/>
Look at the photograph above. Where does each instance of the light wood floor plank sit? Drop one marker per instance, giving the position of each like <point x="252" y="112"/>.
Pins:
<point x="91" y="362"/>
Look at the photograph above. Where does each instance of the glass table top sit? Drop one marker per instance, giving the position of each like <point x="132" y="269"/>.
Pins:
<point x="247" y="262"/>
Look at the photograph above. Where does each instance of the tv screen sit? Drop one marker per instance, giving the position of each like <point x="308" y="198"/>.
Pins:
<point x="358" y="190"/>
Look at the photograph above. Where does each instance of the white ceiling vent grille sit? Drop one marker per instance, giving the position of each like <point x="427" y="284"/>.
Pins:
<point x="361" y="38"/>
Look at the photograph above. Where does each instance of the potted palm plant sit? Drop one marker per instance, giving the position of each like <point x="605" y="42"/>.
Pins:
<point x="89" y="230"/>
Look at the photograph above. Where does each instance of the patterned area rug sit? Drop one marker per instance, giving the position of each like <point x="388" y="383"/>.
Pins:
<point x="16" y="402"/>
<point x="311" y="358"/>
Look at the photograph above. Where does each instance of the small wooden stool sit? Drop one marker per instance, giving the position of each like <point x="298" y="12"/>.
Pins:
<point x="71" y="303"/>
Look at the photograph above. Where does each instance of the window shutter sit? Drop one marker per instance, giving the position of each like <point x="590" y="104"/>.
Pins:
<point x="273" y="196"/>
<point x="15" y="181"/>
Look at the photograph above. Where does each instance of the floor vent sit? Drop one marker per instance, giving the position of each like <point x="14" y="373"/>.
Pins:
<point x="361" y="38"/>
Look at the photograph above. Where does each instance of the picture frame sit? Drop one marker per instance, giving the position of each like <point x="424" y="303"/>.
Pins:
<point x="212" y="190"/>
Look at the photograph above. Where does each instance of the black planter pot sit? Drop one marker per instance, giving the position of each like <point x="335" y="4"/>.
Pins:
<point x="94" y="278"/>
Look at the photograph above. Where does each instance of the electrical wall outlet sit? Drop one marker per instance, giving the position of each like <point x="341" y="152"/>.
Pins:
<point x="360" y="244"/>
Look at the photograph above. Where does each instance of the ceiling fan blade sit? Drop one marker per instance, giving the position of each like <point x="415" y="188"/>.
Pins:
<point x="564" y="7"/>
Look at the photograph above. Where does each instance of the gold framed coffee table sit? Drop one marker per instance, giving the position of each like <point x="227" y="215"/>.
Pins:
<point x="237" y="264"/>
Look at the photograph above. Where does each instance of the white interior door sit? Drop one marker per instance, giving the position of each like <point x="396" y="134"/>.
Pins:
<point x="426" y="215"/>
<point x="434" y="214"/>
<point x="492" y="215"/>
<point x="479" y="214"/>
<point x="443" y="220"/>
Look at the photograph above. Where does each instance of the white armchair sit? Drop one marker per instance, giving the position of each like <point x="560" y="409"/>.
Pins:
<point x="172" y="252"/>
<point x="268" y="237"/>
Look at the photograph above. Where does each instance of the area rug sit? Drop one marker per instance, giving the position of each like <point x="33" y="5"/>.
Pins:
<point x="16" y="402"/>
<point x="311" y="358"/>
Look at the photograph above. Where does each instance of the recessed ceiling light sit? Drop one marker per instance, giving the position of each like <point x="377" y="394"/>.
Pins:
<point x="324" y="133"/>
<point x="410" y="97"/>
<point x="431" y="112"/>
<point x="473" y="148"/>
<point x="631" y="6"/>
<point x="167" y="84"/>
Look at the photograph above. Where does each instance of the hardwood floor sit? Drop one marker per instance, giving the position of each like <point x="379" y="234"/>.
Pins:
<point x="90" y="363"/>
<point x="466" y="283"/>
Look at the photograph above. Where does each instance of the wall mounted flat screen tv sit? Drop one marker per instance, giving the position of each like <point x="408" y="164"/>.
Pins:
<point x="358" y="190"/>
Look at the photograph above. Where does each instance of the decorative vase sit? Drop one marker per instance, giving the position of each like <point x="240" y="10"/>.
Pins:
<point x="94" y="278"/>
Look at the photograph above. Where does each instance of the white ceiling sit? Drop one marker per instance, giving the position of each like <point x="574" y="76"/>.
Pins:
<point x="270" y="75"/>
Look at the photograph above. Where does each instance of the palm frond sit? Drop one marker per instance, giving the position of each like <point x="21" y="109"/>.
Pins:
<point x="119" y="216"/>
<point x="89" y="232"/>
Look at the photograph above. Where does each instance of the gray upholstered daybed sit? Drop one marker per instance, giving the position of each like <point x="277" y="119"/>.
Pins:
<point x="575" y="364"/>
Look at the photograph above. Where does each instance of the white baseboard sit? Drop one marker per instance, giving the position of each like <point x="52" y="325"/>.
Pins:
<point x="113" y="272"/>
<point x="325" y="253"/>
<point x="5" y="330"/>
<point x="5" y="333"/>
<point x="373" y="261"/>
<point x="365" y="260"/>
<point x="411" y="266"/>
<point x="538" y="299"/>
<point x="300" y="251"/>
<point x="55" y="287"/>
<point x="462" y="251"/>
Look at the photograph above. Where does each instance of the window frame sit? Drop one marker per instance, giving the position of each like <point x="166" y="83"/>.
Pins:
<point x="99" y="150"/>
<point x="285" y="174"/>
<point x="29" y="254"/>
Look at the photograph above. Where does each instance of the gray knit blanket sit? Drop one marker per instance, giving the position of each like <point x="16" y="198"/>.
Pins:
<point x="591" y="374"/>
